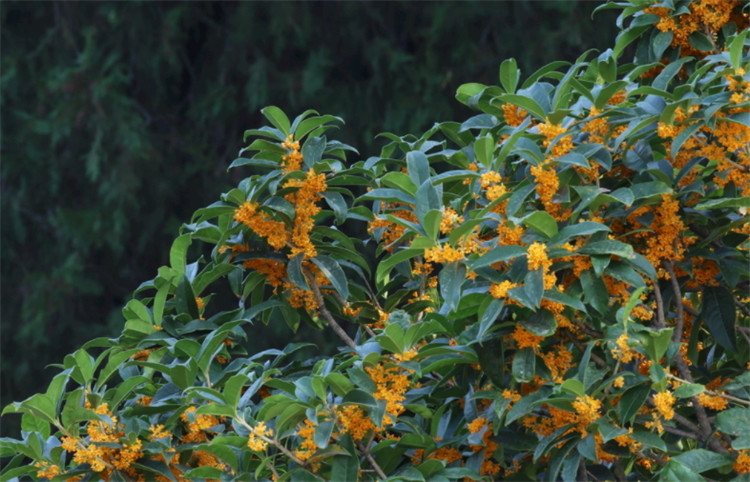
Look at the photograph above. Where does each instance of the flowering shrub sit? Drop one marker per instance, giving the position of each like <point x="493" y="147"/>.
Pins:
<point x="555" y="288"/>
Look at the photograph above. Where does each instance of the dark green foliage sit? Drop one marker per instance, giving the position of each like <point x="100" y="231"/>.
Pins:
<point x="118" y="119"/>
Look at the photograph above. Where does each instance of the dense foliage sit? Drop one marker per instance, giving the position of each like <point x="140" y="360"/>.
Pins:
<point x="118" y="118"/>
<point x="554" y="288"/>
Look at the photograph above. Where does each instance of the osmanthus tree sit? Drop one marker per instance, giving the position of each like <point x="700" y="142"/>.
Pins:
<point x="555" y="288"/>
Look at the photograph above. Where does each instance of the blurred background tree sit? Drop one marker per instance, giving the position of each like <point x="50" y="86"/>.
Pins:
<point x="119" y="119"/>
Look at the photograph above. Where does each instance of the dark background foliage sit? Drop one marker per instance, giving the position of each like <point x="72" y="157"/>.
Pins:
<point x="120" y="119"/>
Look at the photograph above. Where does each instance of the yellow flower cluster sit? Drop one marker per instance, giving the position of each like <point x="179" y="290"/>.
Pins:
<point x="714" y="402"/>
<point x="355" y="421"/>
<point x="623" y="351"/>
<point x="513" y="115"/>
<point x="256" y="440"/>
<point x="292" y="160"/>
<point x="262" y="224"/>
<point x="707" y="16"/>
<point x="306" y="431"/>
<point x="391" y="383"/>
<point x="500" y="290"/>
<point x="488" y="467"/>
<point x="103" y="450"/>
<point x="550" y="132"/>
<point x="547" y="185"/>
<point x="305" y="208"/>
<point x="664" y="403"/>
<point x="444" y="253"/>
<point x="559" y="361"/>
<point x="525" y="339"/>
<point x="449" y="220"/>
<point x="391" y="231"/>
<point x="588" y="409"/>
<point x="742" y="463"/>
<point x="47" y="470"/>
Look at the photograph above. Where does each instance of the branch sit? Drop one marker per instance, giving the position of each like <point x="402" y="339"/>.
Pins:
<point x="677" y="335"/>
<point x="327" y="314"/>
<point x="659" y="307"/>
<point x="370" y="459"/>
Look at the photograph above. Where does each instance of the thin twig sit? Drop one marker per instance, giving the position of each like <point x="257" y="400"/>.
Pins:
<point x="681" y="433"/>
<point x="327" y="314"/>
<point x="711" y="392"/>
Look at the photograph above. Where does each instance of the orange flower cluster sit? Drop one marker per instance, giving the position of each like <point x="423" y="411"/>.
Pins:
<point x="355" y="421"/>
<point x="742" y="463"/>
<point x="391" y="382"/>
<point x="103" y="451"/>
<point x="526" y="339"/>
<point x="306" y="431"/>
<point x="256" y="440"/>
<point x="547" y="185"/>
<point x="559" y="361"/>
<point x="707" y="16"/>
<point x="305" y="208"/>
<point x="714" y="402"/>
<point x="588" y="410"/>
<point x="449" y="220"/>
<point x="47" y="470"/>
<point x="513" y="114"/>
<point x="273" y="269"/>
<point x="391" y="231"/>
<point x="292" y="160"/>
<point x="500" y="290"/>
<point x="623" y="351"/>
<point x="664" y="403"/>
<point x="550" y="132"/>
<point x="488" y="467"/>
<point x="444" y="253"/>
<point x="262" y="224"/>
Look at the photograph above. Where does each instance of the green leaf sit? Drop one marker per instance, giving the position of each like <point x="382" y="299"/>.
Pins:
<point x="649" y="440"/>
<point x="185" y="298"/>
<point x="527" y="103"/>
<point x="497" y="254"/>
<point x="277" y="117"/>
<point x="451" y="278"/>
<point x="542" y="222"/>
<point x="584" y="228"/>
<point x="689" y="390"/>
<point x="701" y="460"/>
<point x="323" y="433"/>
<point x="540" y="323"/>
<point x="608" y="246"/>
<point x="632" y="401"/>
<point x="735" y="202"/>
<point x="428" y="197"/>
<point x="509" y="75"/>
<point x="294" y="271"/>
<point x="719" y="314"/>
<point x="484" y="147"/>
<point x="418" y="167"/>
<point x="524" y="365"/>
<point x="699" y="41"/>
<point x="734" y="421"/>
<point x="735" y="48"/>
<point x="334" y="273"/>
<point x="178" y="253"/>
<point x="674" y="471"/>
<point x="431" y="223"/>
<point x="533" y="286"/>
